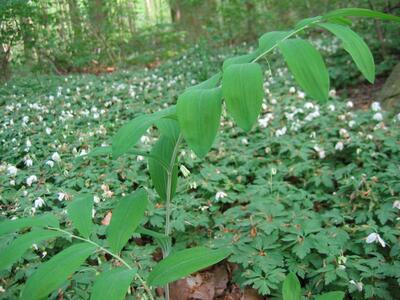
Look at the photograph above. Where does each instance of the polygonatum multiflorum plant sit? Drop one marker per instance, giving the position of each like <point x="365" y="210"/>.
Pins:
<point x="195" y="119"/>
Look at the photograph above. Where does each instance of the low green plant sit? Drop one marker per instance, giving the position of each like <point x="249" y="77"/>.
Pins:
<point x="194" y="119"/>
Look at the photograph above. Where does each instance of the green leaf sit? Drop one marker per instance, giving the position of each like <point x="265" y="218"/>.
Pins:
<point x="20" y="245"/>
<point x="125" y="218"/>
<point x="169" y="128"/>
<point x="184" y="263"/>
<point x="45" y="220"/>
<point x="270" y="39"/>
<point x="307" y="22"/>
<point x="161" y="239"/>
<point x="130" y="133"/>
<point x="331" y="296"/>
<point x="291" y="289"/>
<point x="80" y="213"/>
<point x="307" y="67"/>
<point x="159" y="162"/>
<point x="199" y="114"/>
<point x="112" y="285"/>
<point x="209" y="83"/>
<point x="51" y="274"/>
<point x="242" y="88"/>
<point x="361" y="12"/>
<point x="356" y="47"/>
<point x="242" y="59"/>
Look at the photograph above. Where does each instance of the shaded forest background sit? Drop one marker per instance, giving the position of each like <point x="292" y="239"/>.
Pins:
<point x="63" y="36"/>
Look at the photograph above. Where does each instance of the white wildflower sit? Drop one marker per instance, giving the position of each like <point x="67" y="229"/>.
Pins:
<point x="56" y="157"/>
<point x="352" y="123"/>
<point x="332" y="93"/>
<point x="193" y="185"/>
<point x="273" y="171"/>
<point x="281" y="132"/>
<point x="349" y="104"/>
<point x="12" y="170"/>
<point x="359" y="285"/>
<point x="396" y="204"/>
<point x="320" y="151"/>
<point x="61" y="196"/>
<point x="343" y="132"/>
<point x="339" y="146"/>
<point x="50" y="163"/>
<point x="184" y="171"/>
<point x="331" y="107"/>
<point x="376" y="106"/>
<point x="309" y="105"/>
<point x="48" y="130"/>
<point x="245" y="141"/>
<point x="292" y="90"/>
<point x="28" y="143"/>
<point x="39" y="202"/>
<point x="31" y="179"/>
<point x="145" y="139"/>
<point x="378" y="117"/>
<point x="28" y="162"/>
<point x="301" y="95"/>
<point x="96" y="199"/>
<point x="139" y="158"/>
<point x="375" y="238"/>
<point x="274" y="101"/>
<point x="220" y="195"/>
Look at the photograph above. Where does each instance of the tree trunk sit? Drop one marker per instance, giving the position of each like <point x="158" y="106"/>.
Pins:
<point x="75" y="18"/>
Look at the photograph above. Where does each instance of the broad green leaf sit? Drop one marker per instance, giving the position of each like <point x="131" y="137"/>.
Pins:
<point x="242" y="59"/>
<point x="130" y="133"/>
<point x="125" y="218"/>
<point x="51" y="274"/>
<point x="80" y="213"/>
<point x="307" y="22"/>
<point x="270" y="39"/>
<point x="169" y="128"/>
<point x="356" y="47"/>
<point x="361" y="12"/>
<point x="184" y="263"/>
<point x="242" y="88"/>
<point x="340" y="20"/>
<point x="161" y="239"/>
<point x="331" y="296"/>
<point x="159" y="162"/>
<point x="45" y="220"/>
<point x="307" y="67"/>
<point x="20" y="245"/>
<point x="112" y="285"/>
<point x="199" y="113"/>
<point x="291" y="289"/>
<point x="210" y="83"/>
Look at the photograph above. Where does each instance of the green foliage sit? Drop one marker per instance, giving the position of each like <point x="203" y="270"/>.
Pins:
<point x="242" y="87"/>
<point x="126" y="217"/>
<point x="199" y="114"/>
<point x="80" y="212"/>
<point x="51" y="274"/>
<point x="307" y="67"/>
<point x="183" y="263"/>
<point x="112" y="284"/>
<point x="9" y="226"/>
<point x="291" y="289"/>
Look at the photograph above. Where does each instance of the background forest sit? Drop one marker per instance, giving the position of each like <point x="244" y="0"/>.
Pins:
<point x="63" y="36"/>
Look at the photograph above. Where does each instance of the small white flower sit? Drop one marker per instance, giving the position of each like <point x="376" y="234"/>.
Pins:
<point x="245" y="141"/>
<point x="396" y="204"/>
<point x="320" y="151"/>
<point x="308" y="105"/>
<point x="349" y="104"/>
<point x="50" y="163"/>
<point x="343" y="132"/>
<point x="220" y="195"/>
<point x="39" y="202"/>
<point x="339" y="146"/>
<point x="331" y="107"/>
<point x="274" y="101"/>
<point x="352" y="123"/>
<point x="292" y="90"/>
<point x="31" y="179"/>
<point x="12" y="171"/>
<point x="145" y="139"/>
<point x="376" y="106"/>
<point x="359" y="285"/>
<point x="140" y="158"/>
<point x="378" y="117"/>
<point x="370" y="137"/>
<point x="193" y="185"/>
<point x="28" y="162"/>
<point x="184" y="171"/>
<point x="48" y="130"/>
<point x="56" y="157"/>
<point x="301" y="95"/>
<point x="281" y="132"/>
<point x="332" y="93"/>
<point x="273" y="171"/>
<point x="61" y="196"/>
<point x="2" y="290"/>
<point x="28" y="143"/>
<point x="25" y="119"/>
<point x="96" y="199"/>
<point x="375" y="238"/>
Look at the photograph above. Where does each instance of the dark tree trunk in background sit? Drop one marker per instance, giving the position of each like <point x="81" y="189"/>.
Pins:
<point x="98" y="15"/>
<point x="191" y="16"/>
<point x="5" y="72"/>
